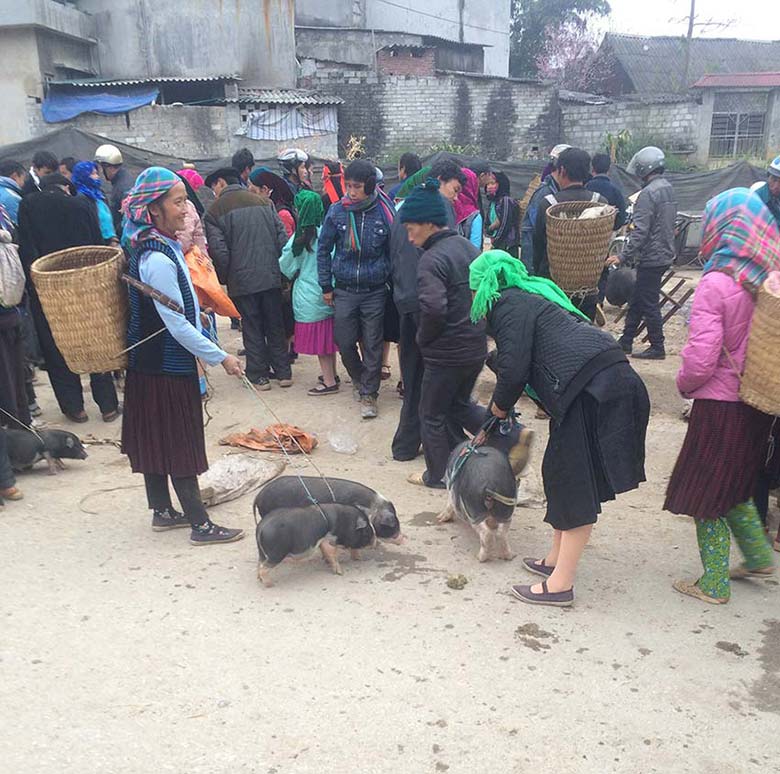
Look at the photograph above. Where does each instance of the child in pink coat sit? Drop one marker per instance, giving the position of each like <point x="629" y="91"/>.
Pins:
<point x="725" y="447"/>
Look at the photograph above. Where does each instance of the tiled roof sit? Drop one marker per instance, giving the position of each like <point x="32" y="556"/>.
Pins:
<point x="655" y="64"/>
<point x="740" y="80"/>
<point x="285" y="97"/>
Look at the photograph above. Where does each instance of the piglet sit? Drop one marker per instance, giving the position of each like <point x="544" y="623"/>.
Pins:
<point x="294" y="491"/>
<point x="25" y="448"/>
<point x="296" y="532"/>
<point x="483" y="492"/>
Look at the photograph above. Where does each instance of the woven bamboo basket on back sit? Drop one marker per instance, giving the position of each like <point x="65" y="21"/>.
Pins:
<point x="576" y="249"/>
<point x="760" y="385"/>
<point x="86" y="306"/>
<point x="529" y="192"/>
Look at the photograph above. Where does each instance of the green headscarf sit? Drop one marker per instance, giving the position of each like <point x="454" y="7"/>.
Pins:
<point x="310" y="213"/>
<point x="418" y="178"/>
<point x="496" y="270"/>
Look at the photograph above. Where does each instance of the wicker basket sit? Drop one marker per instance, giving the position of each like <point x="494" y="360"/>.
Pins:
<point x="86" y="306"/>
<point x="576" y="249"/>
<point x="760" y="385"/>
<point x="529" y="192"/>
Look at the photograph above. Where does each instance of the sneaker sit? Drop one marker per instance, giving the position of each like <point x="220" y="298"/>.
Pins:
<point x="368" y="408"/>
<point x="209" y="532"/>
<point x="286" y="382"/>
<point x="162" y="521"/>
<point x="626" y="346"/>
<point x="262" y="384"/>
<point x="651" y="353"/>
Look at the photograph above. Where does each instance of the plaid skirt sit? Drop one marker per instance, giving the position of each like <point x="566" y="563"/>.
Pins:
<point x="162" y="425"/>
<point x="718" y="466"/>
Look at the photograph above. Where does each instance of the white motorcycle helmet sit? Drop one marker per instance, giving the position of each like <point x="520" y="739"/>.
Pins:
<point x="291" y="158"/>
<point x="557" y="150"/>
<point x="108" y="154"/>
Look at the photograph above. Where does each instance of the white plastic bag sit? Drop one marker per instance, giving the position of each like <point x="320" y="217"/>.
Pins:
<point x="12" y="278"/>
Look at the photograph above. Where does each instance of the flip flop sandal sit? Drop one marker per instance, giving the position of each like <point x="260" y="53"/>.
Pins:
<point x="420" y="479"/>
<point x="546" y="597"/>
<point x="742" y="571"/>
<point x="691" y="589"/>
<point x="321" y="389"/>
<point x="112" y="416"/>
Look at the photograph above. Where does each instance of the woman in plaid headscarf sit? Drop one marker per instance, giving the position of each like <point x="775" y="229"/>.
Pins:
<point x="162" y="431"/>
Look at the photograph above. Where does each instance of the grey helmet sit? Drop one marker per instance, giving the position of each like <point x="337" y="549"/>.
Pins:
<point x="646" y="161"/>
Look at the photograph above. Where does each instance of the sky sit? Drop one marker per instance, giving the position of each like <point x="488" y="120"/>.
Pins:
<point x="753" y="19"/>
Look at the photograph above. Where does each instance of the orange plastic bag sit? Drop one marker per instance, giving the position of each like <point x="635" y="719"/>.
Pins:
<point x="209" y="291"/>
<point x="292" y="438"/>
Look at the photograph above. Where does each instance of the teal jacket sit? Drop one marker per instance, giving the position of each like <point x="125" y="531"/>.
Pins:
<point x="308" y="306"/>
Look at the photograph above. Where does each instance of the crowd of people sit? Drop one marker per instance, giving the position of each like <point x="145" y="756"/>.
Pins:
<point x="437" y="264"/>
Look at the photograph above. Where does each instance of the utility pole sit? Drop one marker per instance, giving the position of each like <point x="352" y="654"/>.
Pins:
<point x="688" y="39"/>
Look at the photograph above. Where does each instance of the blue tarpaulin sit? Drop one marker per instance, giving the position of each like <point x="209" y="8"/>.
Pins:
<point x="64" y="105"/>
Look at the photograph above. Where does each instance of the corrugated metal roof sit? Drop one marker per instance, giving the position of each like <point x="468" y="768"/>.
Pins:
<point x="284" y="97"/>
<point x="94" y="83"/>
<point x="655" y="64"/>
<point x="737" y="80"/>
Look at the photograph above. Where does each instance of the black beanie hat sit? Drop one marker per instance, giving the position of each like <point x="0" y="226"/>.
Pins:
<point x="425" y="205"/>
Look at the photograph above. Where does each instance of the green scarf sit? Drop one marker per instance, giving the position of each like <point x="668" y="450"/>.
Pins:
<point x="310" y="213"/>
<point x="418" y="178"/>
<point x="496" y="270"/>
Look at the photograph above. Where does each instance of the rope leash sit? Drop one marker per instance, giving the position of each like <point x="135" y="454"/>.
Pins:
<point x="245" y="381"/>
<point x="19" y="422"/>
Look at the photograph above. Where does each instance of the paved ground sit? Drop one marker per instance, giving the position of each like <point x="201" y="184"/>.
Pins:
<point x="127" y="652"/>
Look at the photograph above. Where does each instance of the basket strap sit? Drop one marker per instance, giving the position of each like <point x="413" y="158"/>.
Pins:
<point x="731" y="362"/>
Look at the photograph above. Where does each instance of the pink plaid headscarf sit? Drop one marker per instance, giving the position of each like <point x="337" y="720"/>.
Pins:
<point x="193" y="178"/>
<point x="468" y="199"/>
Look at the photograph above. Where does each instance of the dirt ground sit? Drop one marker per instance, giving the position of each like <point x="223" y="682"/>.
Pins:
<point x="125" y="651"/>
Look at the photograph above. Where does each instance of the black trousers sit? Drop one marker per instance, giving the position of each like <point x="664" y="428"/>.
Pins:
<point x="262" y="322"/>
<point x="407" y="439"/>
<point x="359" y="317"/>
<point x="66" y="384"/>
<point x="187" y="490"/>
<point x="644" y="305"/>
<point x="445" y="402"/>
<point x="13" y="391"/>
<point x="7" y="478"/>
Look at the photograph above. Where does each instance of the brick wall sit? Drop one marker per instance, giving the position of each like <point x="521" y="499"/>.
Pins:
<point x="406" y="61"/>
<point x="186" y="132"/>
<point x="501" y="118"/>
<point x="675" y="125"/>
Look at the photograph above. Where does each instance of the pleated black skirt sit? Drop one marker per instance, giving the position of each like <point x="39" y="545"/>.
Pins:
<point x="162" y="425"/>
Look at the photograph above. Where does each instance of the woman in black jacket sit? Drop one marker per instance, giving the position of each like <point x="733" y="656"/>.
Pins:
<point x="598" y="406"/>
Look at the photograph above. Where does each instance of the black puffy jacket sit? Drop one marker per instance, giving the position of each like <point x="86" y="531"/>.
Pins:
<point x="541" y="345"/>
<point x="445" y="334"/>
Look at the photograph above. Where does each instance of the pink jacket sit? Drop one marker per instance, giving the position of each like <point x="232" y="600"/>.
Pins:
<point x="192" y="234"/>
<point x="721" y="317"/>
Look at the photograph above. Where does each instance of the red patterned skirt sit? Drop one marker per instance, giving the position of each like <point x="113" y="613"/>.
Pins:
<point x="718" y="466"/>
<point x="162" y="425"/>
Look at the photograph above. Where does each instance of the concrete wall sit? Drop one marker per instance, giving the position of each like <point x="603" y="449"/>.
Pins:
<point x="501" y="118"/>
<point x="187" y="132"/>
<point x="676" y="125"/>
<point x="482" y="21"/>
<point x="20" y="81"/>
<point x="252" y="38"/>
<point x="47" y="14"/>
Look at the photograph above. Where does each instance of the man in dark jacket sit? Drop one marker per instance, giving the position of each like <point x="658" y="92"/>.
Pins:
<point x="353" y="263"/>
<point x="571" y="173"/>
<point x="651" y="247"/>
<point x="600" y="183"/>
<point x="109" y="157"/>
<point x="405" y="257"/>
<point x="453" y="348"/>
<point x="52" y="220"/>
<point x="43" y="163"/>
<point x="245" y="237"/>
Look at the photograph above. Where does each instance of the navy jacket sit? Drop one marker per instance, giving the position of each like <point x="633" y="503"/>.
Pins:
<point x="601" y="184"/>
<point x="355" y="270"/>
